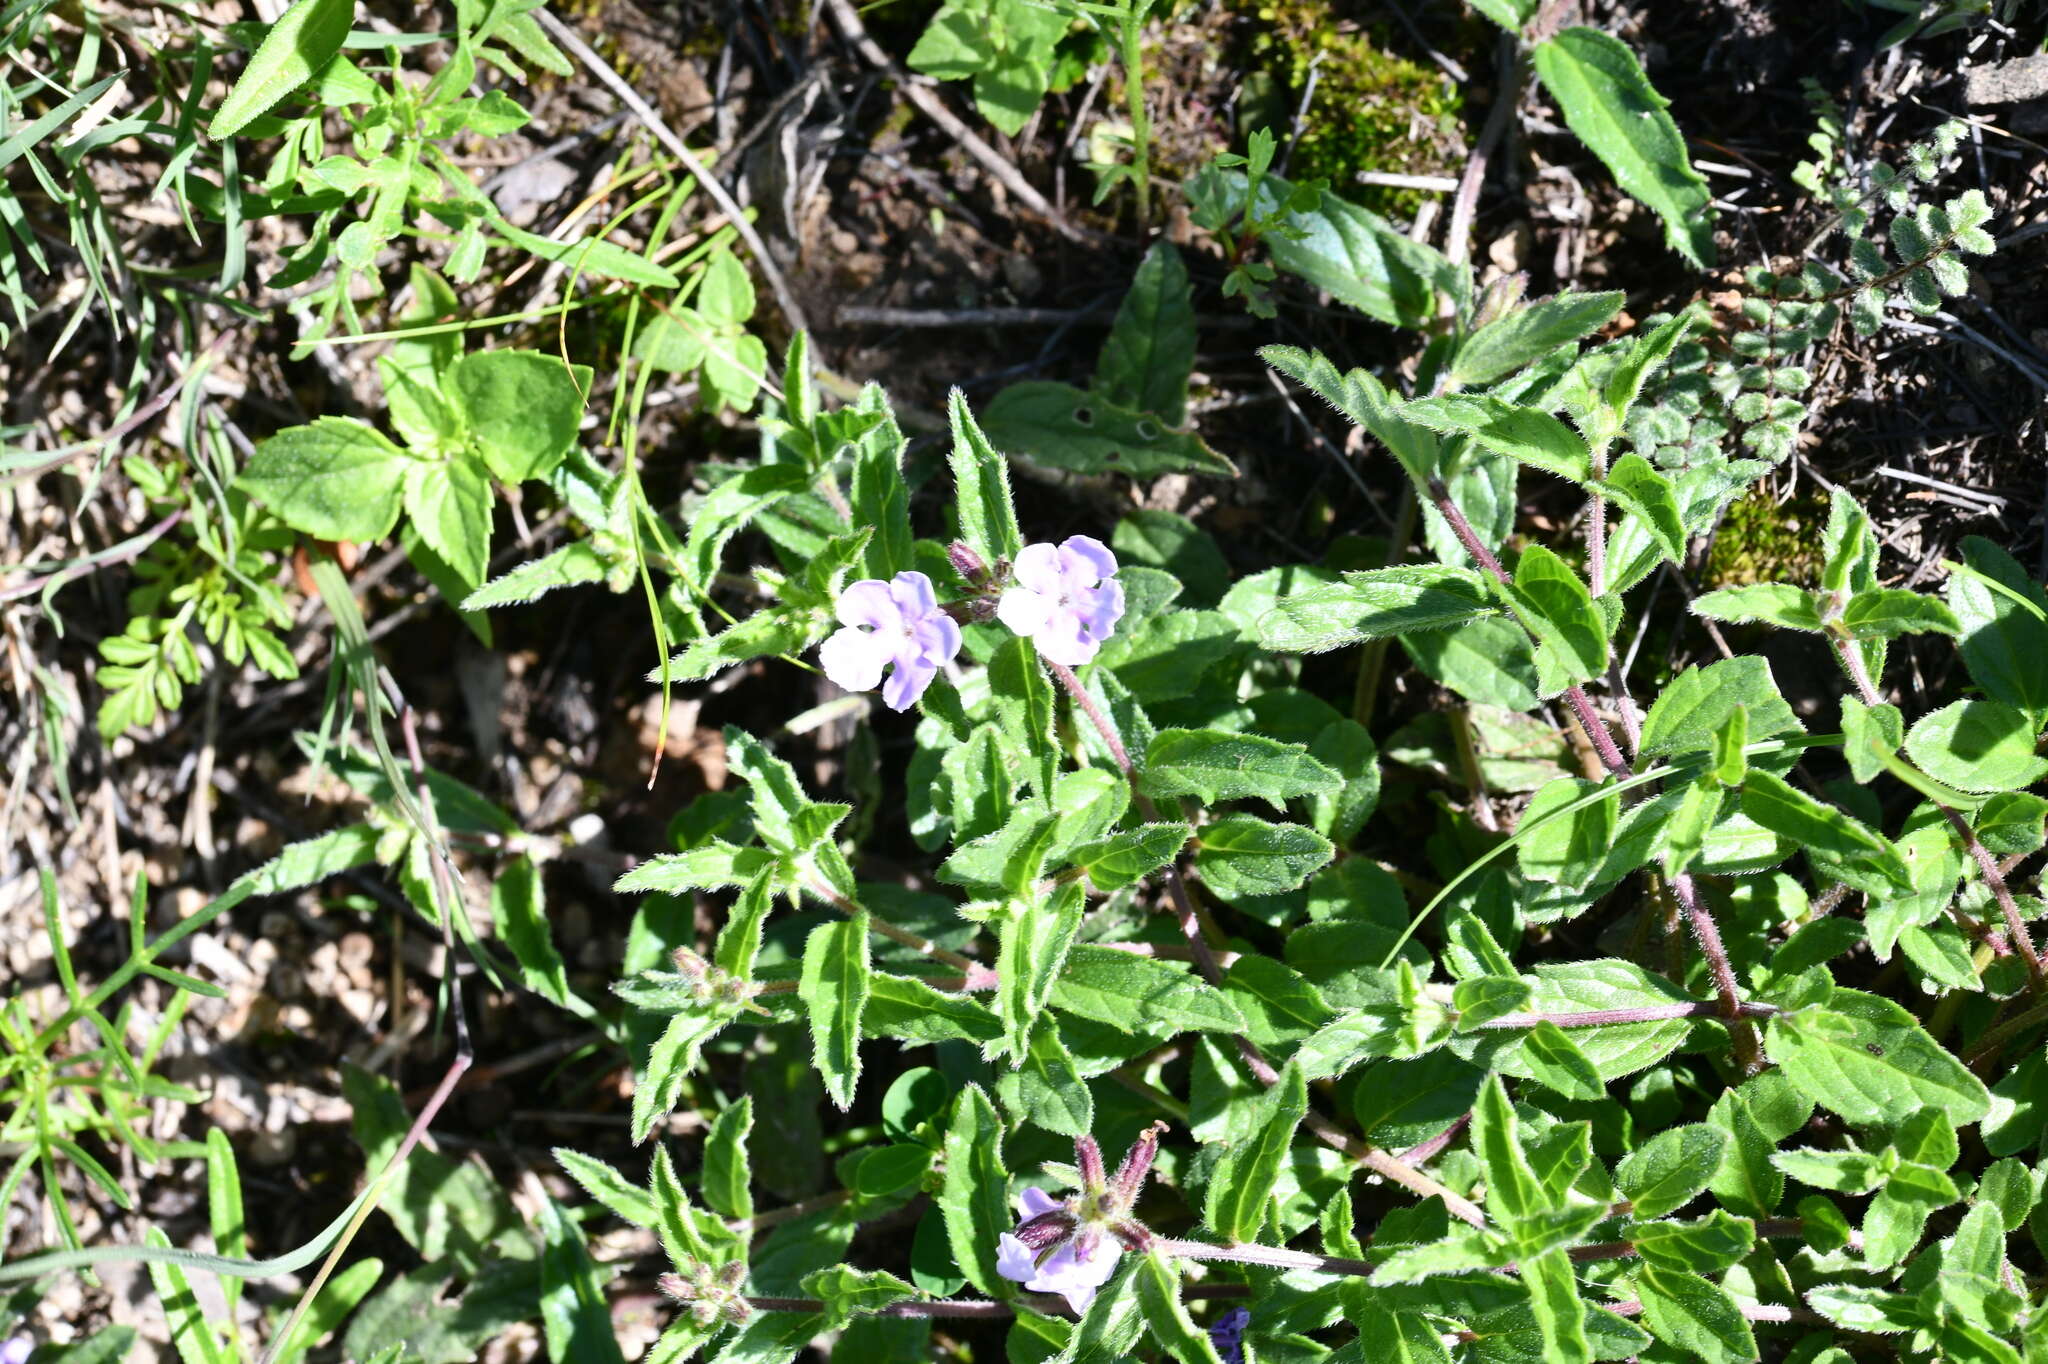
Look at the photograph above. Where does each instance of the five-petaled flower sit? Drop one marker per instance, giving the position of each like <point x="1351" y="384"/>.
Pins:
<point x="1071" y="1248"/>
<point x="1064" y="597"/>
<point x="898" y="625"/>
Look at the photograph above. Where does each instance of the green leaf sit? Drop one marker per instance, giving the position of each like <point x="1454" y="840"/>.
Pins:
<point x="1242" y="855"/>
<point x="335" y="479"/>
<point x="765" y="634"/>
<point x="1489" y="660"/>
<point x="591" y="256"/>
<point x="1870" y="734"/>
<point x="1977" y="746"/>
<point x="1849" y="1172"/>
<point x="1374" y="604"/>
<point x="522" y="408"/>
<point x="1215" y="765"/>
<point x="1783" y="809"/>
<point x="1525" y="434"/>
<point x="1346" y="747"/>
<point x="1024" y="708"/>
<point x="1635" y="485"/>
<point x="1141" y="994"/>
<point x="1280" y="1007"/>
<point x="1670" y="1169"/>
<point x="1129" y="857"/>
<point x="1691" y="1314"/>
<point x="1888" y="612"/>
<point x="1151" y="348"/>
<point x="712" y="867"/>
<point x="1559" y="1065"/>
<point x="302" y="41"/>
<point x="1240" y="1192"/>
<point x="521" y="919"/>
<point x="1513" y="1194"/>
<point x="1166" y="1317"/>
<point x="670" y="1059"/>
<point x="2004" y="619"/>
<point x="907" y="1008"/>
<point x="728" y="1177"/>
<point x="1560" y="1314"/>
<point x="848" y="1292"/>
<point x="879" y="496"/>
<point x="449" y="503"/>
<point x="1478" y="1000"/>
<point x="574" y="563"/>
<point x="1867" y="1059"/>
<point x="1780" y="604"/>
<point x="1058" y="426"/>
<point x="1365" y="402"/>
<point x="974" y="1197"/>
<point x="1355" y="255"/>
<point x="1569" y="849"/>
<point x="1558" y="608"/>
<point x="1608" y="101"/>
<point x="1747" y="1181"/>
<point x="770" y="1338"/>
<point x="1706" y="1246"/>
<point x="1046" y="1088"/>
<point x="1528" y="334"/>
<point x="988" y="519"/>
<point x="573" y="1312"/>
<point x="834" y="989"/>
<point x="1036" y="933"/>
<point x="608" y="1186"/>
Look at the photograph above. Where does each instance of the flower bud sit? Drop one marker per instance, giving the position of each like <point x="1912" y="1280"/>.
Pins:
<point x="966" y="563"/>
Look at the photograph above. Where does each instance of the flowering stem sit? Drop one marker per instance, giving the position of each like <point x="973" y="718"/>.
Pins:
<point x="2015" y="926"/>
<point x="1191" y="926"/>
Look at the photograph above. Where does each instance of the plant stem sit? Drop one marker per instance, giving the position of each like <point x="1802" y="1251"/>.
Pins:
<point x="1994" y="877"/>
<point x="1273" y="1257"/>
<point x="978" y="976"/>
<point x="1458" y="236"/>
<point x="1748" y="1051"/>
<point x="1131" y="32"/>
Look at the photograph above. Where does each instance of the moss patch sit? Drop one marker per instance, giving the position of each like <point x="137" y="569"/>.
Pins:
<point x="1763" y="541"/>
<point x="1373" y="110"/>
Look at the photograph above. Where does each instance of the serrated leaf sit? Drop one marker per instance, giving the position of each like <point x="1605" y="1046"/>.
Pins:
<point x="1867" y="1059"/>
<point x="834" y="989"/>
<point x="728" y="1175"/>
<point x="335" y="479"/>
<point x="1977" y="745"/>
<point x="1780" y="604"/>
<point x="1691" y="1314"/>
<point x="1151" y="347"/>
<point x="1242" y="855"/>
<point x="1141" y="994"/>
<point x="1128" y="857"/>
<point x="1671" y="1169"/>
<point x="579" y="562"/>
<point x="981" y="478"/>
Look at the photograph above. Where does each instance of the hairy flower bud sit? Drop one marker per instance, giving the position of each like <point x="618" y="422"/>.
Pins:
<point x="967" y="563"/>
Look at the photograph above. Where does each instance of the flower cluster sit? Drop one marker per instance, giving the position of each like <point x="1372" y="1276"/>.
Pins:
<point x="713" y="1292"/>
<point x="1065" y="598"/>
<point x="1071" y="1247"/>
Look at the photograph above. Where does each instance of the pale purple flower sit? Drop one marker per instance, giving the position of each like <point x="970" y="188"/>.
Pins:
<point x="897" y="625"/>
<point x="1081" y="1265"/>
<point x="17" y="1350"/>
<point x="1065" y="598"/>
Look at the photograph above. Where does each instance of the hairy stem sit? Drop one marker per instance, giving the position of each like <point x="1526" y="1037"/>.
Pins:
<point x="1747" y="1048"/>
<point x="975" y="971"/>
<point x="1994" y="876"/>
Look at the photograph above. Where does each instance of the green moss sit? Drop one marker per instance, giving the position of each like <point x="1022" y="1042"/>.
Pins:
<point x="1761" y="540"/>
<point x="1373" y="110"/>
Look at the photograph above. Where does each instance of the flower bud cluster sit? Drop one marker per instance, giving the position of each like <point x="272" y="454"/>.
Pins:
<point x="712" y="1292"/>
